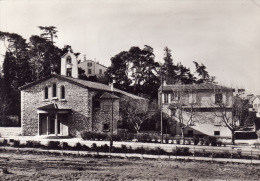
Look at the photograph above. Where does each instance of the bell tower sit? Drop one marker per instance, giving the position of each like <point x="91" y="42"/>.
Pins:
<point x="69" y="64"/>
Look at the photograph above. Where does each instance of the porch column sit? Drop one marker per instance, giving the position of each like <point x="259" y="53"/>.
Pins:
<point x="39" y="129"/>
<point x="48" y="119"/>
<point x="56" y="124"/>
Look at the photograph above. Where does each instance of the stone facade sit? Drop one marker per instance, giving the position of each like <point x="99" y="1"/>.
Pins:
<point x="77" y="106"/>
<point x="77" y="99"/>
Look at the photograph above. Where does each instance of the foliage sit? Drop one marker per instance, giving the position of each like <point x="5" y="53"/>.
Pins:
<point x="53" y="145"/>
<point x="196" y="140"/>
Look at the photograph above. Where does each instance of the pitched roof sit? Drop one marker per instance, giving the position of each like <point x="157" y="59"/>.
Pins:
<point x="107" y="95"/>
<point x="50" y="107"/>
<point x="82" y="83"/>
<point x="185" y="87"/>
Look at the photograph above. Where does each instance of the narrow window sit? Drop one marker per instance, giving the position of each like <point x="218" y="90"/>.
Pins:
<point x="68" y="59"/>
<point x="69" y="72"/>
<point x="46" y="93"/>
<point x="106" y="127"/>
<point x="96" y="104"/>
<point x="165" y="98"/>
<point x="62" y="92"/>
<point x="89" y="71"/>
<point x="89" y="64"/>
<point x="216" y="133"/>
<point x="218" y="98"/>
<point x="100" y="71"/>
<point x="54" y="89"/>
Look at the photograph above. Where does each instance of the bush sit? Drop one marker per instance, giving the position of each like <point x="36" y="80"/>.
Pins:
<point x="181" y="151"/>
<point x="66" y="146"/>
<point x="213" y="141"/>
<point x="178" y="141"/>
<point x="196" y="140"/>
<point x="16" y="143"/>
<point x="78" y="146"/>
<point x="104" y="148"/>
<point x="94" y="146"/>
<point x="53" y="145"/>
<point x="206" y="140"/>
<point x="219" y="143"/>
<point x="33" y="144"/>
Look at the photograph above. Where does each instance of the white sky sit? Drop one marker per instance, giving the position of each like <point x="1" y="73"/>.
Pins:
<point x="224" y="35"/>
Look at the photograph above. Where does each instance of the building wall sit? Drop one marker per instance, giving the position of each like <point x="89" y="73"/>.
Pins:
<point x="95" y="68"/>
<point x="103" y="115"/>
<point x="205" y="119"/>
<point x="256" y="106"/>
<point x="76" y="98"/>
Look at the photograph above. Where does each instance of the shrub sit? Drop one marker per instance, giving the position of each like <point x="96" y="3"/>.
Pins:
<point x="104" y="148"/>
<point x="78" y="146"/>
<point x="196" y="140"/>
<point x="16" y="143"/>
<point x="140" y="150"/>
<point x="33" y="144"/>
<point x="181" y="151"/>
<point x="159" y="151"/>
<point x="219" y="143"/>
<point x="201" y="141"/>
<point x="178" y="141"/>
<point x="53" y="144"/>
<point x="213" y="141"/>
<point x="94" y="146"/>
<point x="206" y="140"/>
<point x="66" y="146"/>
<point x="202" y="153"/>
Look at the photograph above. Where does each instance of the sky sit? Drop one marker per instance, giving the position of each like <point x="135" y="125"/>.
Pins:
<point x="224" y="35"/>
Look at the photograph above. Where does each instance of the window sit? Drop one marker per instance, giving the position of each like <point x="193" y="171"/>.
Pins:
<point x="68" y="59"/>
<point x="100" y="71"/>
<point x="106" y="127"/>
<point x="89" y="71"/>
<point x="62" y="92"/>
<point x="216" y="133"/>
<point x="192" y="98"/>
<point x="89" y="64"/>
<point x="46" y="93"/>
<point x="54" y="89"/>
<point x="96" y="104"/>
<point x="174" y="96"/>
<point x="218" y="98"/>
<point x="69" y="72"/>
<point x="255" y="105"/>
<point x="166" y="98"/>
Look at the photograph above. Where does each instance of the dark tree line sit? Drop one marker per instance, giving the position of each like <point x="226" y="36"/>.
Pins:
<point x="136" y="71"/>
<point x="24" y="62"/>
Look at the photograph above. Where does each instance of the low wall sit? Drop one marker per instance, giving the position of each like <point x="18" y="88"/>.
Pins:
<point x="10" y="131"/>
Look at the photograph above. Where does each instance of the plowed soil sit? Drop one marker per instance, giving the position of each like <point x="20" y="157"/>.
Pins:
<point x="22" y="166"/>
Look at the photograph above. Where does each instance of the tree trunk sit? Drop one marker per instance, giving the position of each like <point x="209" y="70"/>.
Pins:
<point x="183" y="137"/>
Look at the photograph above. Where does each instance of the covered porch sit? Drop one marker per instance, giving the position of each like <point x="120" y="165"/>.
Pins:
<point x="53" y="121"/>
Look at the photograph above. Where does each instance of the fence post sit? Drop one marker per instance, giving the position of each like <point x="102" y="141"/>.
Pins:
<point x="62" y="148"/>
<point x="212" y="154"/>
<point x="251" y="157"/>
<point x="194" y="152"/>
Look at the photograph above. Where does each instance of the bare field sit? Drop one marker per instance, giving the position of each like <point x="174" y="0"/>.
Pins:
<point x="21" y="166"/>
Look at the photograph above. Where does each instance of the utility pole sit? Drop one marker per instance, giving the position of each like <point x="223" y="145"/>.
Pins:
<point x="161" y="107"/>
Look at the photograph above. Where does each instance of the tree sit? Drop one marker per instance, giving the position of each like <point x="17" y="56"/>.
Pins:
<point x="203" y="74"/>
<point x="229" y="111"/>
<point x="182" y="107"/>
<point x="118" y="71"/>
<point x="134" y="112"/>
<point x="49" y="33"/>
<point x="134" y="68"/>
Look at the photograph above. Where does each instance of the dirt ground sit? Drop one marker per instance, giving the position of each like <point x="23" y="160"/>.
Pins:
<point x="22" y="166"/>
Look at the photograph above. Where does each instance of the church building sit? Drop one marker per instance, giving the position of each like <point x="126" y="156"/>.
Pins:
<point x="64" y="105"/>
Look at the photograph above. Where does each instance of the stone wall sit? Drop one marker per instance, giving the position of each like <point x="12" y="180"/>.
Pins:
<point x="10" y="131"/>
<point x="76" y="99"/>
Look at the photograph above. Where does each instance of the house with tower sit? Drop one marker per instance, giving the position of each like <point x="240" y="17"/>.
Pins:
<point x="64" y="105"/>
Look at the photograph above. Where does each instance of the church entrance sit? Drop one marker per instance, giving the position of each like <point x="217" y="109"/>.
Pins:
<point x="53" y="121"/>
